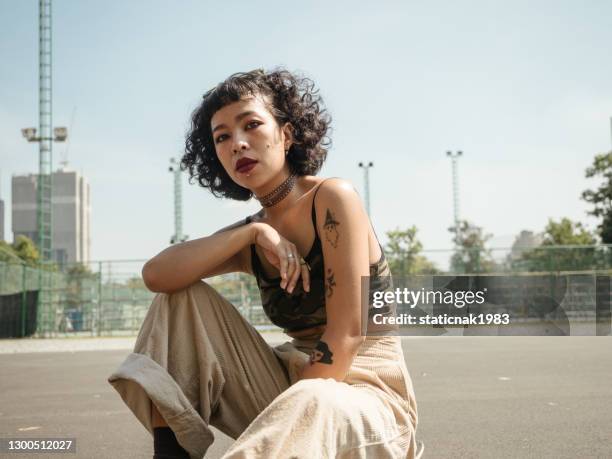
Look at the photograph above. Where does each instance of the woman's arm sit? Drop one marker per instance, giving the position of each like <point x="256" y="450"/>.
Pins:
<point x="343" y="228"/>
<point x="181" y="265"/>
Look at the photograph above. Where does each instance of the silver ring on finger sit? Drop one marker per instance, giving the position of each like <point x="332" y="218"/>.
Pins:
<point x="304" y="263"/>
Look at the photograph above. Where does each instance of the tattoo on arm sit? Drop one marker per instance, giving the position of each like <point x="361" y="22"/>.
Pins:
<point x="331" y="229"/>
<point x="321" y="354"/>
<point x="330" y="283"/>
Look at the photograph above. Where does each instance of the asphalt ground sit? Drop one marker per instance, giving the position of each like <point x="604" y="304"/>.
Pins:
<point x="478" y="397"/>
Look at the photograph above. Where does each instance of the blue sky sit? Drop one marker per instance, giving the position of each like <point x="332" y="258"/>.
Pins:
<point x="523" y="88"/>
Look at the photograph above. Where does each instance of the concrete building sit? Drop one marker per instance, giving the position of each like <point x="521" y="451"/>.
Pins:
<point x="71" y="214"/>
<point x="525" y="241"/>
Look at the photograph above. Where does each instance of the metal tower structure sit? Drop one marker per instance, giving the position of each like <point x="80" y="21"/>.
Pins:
<point x="44" y="208"/>
<point x="178" y="204"/>
<point x="454" y="157"/>
<point x="366" y="183"/>
<point x="44" y="213"/>
<point x="44" y="184"/>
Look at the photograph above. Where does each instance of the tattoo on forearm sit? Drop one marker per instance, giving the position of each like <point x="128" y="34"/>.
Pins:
<point x="331" y="229"/>
<point x="321" y="354"/>
<point x="330" y="283"/>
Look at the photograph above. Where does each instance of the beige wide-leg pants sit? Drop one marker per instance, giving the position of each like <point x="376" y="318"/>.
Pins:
<point x="201" y="363"/>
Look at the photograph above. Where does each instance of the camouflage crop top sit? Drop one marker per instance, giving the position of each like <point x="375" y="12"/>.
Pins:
<point x="300" y="309"/>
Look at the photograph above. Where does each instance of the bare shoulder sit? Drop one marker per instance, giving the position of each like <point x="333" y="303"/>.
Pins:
<point x="338" y="191"/>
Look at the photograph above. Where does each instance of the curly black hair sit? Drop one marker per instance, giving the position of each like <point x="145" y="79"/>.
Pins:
<point x="291" y="98"/>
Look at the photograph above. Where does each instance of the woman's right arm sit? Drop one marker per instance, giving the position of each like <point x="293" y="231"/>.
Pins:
<point x="181" y="265"/>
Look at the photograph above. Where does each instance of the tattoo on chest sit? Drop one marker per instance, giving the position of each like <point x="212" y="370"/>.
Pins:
<point x="321" y="354"/>
<point x="330" y="283"/>
<point x="331" y="228"/>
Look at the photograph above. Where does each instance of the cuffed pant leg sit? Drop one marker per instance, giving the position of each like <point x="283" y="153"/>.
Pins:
<point x="201" y="363"/>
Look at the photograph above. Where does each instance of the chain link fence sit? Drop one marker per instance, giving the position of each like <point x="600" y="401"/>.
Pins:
<point x="109" y="298"/>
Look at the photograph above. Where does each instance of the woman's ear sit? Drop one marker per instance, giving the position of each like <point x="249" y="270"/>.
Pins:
<point x="288" y="131"/>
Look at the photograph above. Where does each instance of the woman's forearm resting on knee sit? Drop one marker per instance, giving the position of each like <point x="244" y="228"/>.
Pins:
<point x="181" y="265"/>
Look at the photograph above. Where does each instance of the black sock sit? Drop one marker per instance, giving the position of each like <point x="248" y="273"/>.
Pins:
<point x="165" y="445"/>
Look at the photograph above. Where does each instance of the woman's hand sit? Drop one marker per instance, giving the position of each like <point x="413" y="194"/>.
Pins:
<point x="283" y="255"/>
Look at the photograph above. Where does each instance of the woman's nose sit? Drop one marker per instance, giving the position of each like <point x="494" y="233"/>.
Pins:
<point x="237" y="148"/>
<point x="239" y="144"/>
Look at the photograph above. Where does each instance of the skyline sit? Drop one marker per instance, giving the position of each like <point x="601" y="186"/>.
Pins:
<point x="523" y="90"/>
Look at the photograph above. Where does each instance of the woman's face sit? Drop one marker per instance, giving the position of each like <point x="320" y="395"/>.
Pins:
<point x="249" y="143"/>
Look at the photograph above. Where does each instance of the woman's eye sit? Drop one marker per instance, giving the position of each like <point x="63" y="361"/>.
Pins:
<point x="252" y="124"/>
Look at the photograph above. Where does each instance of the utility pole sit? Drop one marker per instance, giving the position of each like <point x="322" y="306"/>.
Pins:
<point x="178" y="204"/>
<point x="454" y="157"/>
<point x="366" y="183"/>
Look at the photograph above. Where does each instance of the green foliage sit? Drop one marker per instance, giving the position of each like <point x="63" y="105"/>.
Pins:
<point x="552" y="256"/>
<point x="79" y="270"/>
<point x="470" y="255"/>
<point x="601" y="197"/>
<point x="403" y="253"/>
<point x="7" y="253"/>
<point x="567" y="232"/>
<point x="22" y="250"/>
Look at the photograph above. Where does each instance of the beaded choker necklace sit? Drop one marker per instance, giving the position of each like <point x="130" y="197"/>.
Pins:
<point x="279" y="193"/>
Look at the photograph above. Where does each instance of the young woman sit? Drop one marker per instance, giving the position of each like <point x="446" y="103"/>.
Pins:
<point x="331" y="391"/>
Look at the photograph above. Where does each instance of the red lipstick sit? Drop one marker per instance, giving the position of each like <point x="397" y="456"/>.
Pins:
<point x="245" y="165"/>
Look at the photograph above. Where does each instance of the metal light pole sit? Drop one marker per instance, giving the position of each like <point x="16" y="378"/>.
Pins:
<point x="366" y="183"/>
<point x="44" y="208"/>
<point x="178" y="204"/>
<point x="44" y="184"/>
<point x="454" y="157"/>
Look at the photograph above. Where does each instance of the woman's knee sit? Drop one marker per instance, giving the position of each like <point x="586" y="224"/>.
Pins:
<point x="171" y="307"/>
<point x="318" y="392"/>
<point x="201" y="291"/>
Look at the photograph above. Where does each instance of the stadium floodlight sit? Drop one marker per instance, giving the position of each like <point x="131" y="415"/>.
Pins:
<point x="29" y="134"/>
<point x="366" y="182"/>
<point x="60" y="133"/>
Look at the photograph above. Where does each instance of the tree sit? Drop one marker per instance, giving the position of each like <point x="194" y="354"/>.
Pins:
<point x="470" y="255"/>
<point x="553" y="256"/>
<point x="567" y="232"/>
<point x="21" y="250"/>
<point x="402" y="252"/>
<point x="601" y="198"/>
<point x="7" y="253"/>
